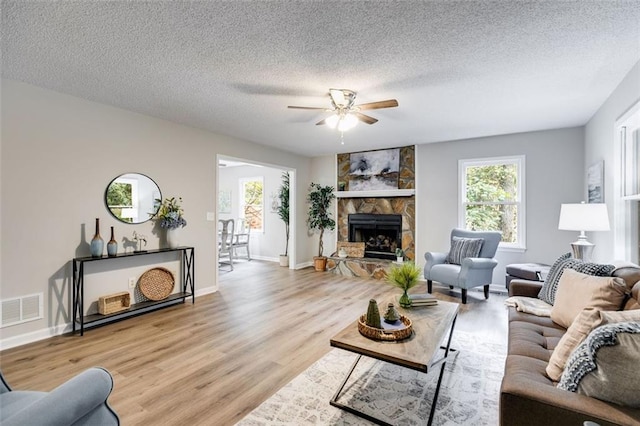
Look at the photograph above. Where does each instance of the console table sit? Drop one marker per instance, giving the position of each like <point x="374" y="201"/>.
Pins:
<point x="82" y="321"/>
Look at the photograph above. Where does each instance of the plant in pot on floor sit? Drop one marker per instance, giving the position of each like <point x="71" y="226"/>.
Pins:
<point x="404" y="276"/>
<point x="283" y="213"/>
<point x="319" y="199"/>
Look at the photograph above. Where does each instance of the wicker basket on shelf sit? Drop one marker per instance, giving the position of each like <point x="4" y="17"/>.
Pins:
<point x="156" y="284"/>
<point x="385" y="334"/>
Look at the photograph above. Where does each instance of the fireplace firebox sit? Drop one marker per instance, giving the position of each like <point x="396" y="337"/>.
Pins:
<point x="381" y="233"/>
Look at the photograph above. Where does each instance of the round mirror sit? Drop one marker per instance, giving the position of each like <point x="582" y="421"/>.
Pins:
<point x="133" y="198"/>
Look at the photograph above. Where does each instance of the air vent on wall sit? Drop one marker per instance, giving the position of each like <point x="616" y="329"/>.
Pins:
<point x="21" y="309"/>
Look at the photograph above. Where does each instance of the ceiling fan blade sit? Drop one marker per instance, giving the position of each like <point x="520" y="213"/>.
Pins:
<point x="365" y="118"/>
<point x="389" y="103"/>
<point x="304" y="107"/>
<point x="321" y="122"/>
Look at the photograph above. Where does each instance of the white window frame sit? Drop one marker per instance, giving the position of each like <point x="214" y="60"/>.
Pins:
<point x="242" y="182"/>
<point x="519" y="160"/>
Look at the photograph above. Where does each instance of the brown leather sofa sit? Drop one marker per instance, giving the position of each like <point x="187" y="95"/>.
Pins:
<point x="527" y="395"/>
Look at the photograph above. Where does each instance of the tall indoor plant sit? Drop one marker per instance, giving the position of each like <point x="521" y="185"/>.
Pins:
<point x="319" y="199"/>
<point x="283" y="213"/>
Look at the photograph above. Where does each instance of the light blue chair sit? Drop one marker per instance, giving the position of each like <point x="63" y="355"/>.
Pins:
<point x="472" y="271"/>
<point x="81" y="400"/>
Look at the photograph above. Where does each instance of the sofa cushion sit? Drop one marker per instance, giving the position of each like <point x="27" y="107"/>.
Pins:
<point x="550" y="286"/>
<point x="533" y="340"/>
<point x="585" y="322"/>
<point x="462" y="248"/>
<point x="604" y="366"/>
<point x="16" y="401"/>
<point x="577" y="291"/>
<point x="548" y="290"/>
<point x="634" y="299"/>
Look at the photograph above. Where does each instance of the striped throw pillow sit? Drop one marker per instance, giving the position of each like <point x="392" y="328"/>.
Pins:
<point x="463" y="247"/>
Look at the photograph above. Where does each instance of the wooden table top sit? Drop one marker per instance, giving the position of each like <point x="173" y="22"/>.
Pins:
<point x="418" y="352"/>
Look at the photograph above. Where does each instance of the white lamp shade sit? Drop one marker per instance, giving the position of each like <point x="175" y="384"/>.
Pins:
<point x="583" y="217"/>
<point x="332" y="121"/>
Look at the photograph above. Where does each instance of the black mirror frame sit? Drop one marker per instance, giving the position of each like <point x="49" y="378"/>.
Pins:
<point x="150" y="216"/>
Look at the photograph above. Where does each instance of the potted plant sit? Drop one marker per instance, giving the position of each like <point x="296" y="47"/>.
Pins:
<point x="319" y="199"/>
<point x="399" y="255"/>
<point x="283" y="213"/>
<point x="404" y="276"/>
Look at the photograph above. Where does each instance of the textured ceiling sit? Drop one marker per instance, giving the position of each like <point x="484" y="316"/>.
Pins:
<point x="458" y="69"/>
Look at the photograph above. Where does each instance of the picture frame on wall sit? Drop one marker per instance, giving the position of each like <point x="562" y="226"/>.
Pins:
<point x="595" y="182"/>
<point x="224" y="201"/>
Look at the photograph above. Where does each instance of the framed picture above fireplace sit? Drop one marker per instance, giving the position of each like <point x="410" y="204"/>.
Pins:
<point x="374" y="170"/>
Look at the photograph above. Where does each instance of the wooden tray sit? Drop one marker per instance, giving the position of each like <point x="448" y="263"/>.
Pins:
<point x="392" y="333"/>
<point x="156" y="284"/>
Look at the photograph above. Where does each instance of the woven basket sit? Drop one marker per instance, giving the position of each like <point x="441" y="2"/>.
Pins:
<point x="382" y="334"/>
<point x="114" y="303"/>
<point x="156" y="284"/>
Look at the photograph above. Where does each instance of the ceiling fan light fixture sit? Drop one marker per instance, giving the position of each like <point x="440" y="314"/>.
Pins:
<point x="347" y="122"/>
<point x="332" y="121"/>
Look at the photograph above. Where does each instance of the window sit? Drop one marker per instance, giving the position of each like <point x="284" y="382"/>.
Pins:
<point x="492" y="198"/>
<point x="252" y="202"/>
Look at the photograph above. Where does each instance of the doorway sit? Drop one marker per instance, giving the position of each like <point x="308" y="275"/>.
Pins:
<point x="248" y="192"/>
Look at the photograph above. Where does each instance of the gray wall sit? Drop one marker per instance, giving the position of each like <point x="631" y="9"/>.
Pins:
<point x="59" y="153"/>
<point x="600" y="142"/>
<point x="554" y="175"/>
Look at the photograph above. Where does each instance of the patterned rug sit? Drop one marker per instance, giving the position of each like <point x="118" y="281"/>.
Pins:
<point x="469" y="393"/>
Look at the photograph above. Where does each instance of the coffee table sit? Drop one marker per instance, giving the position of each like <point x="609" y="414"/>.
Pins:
<point x="423" y="351"/>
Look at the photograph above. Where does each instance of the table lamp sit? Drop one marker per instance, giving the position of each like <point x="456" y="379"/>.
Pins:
<point x="583" y="217"/>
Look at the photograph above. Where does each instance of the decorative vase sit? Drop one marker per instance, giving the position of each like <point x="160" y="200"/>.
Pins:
<point x="392" y="315"/>
<point x="112" y="245"/>
<point x="399" y="259"/>
<point x="173" y="237"/>
<point x="373" y="315"/>
<point x="284" y="260"/>
<point x="405" y="300"/>
<point x="97" y="243"/>
<point x="342" y="253"/>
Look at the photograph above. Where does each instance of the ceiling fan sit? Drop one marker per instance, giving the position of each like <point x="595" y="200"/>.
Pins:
<point x="345" y="113"/>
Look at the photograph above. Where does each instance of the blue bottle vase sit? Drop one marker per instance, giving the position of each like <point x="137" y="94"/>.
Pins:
<point x="112" y="246"/>
<point x="97" y="243"/>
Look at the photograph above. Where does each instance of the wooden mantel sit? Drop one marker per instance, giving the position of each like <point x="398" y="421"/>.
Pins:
<point x="385" y="193"/>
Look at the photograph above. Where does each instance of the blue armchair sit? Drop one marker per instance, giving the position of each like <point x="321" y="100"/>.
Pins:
<point x="79" y="401"/>
<point x="472" y="271"/>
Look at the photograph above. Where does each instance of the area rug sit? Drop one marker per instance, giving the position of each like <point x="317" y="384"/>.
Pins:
<point x="469" y="393"/>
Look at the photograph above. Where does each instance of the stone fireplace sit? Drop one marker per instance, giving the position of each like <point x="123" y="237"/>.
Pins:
<point x="398" y="203"/>
<point x="380" y="233"/>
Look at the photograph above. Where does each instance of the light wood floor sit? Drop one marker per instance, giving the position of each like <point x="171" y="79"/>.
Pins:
<point x="213" y="362"/>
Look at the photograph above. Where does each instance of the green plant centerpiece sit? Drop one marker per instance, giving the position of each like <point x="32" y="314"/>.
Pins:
<point x="319" y="199"/>
<point x="404" y="276"/>
<point x="283" y="213"/>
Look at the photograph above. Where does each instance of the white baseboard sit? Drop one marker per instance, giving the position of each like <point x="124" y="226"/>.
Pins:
<point x="34" y="336"/>
<point x="45" y="333"/>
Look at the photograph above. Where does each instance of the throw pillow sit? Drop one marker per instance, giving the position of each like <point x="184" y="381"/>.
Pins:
<point x="577" y="291"/>
<point x="604" y="366"/>
<point x="548" y="290"/>
<point x="585" y="322"/>
<point x="593" y="269"/>
<point x="463" y="247"/>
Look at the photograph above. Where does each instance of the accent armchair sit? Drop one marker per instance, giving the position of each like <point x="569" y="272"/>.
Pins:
<point x="457" y="269"/>
<point x="81" y="400"/>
